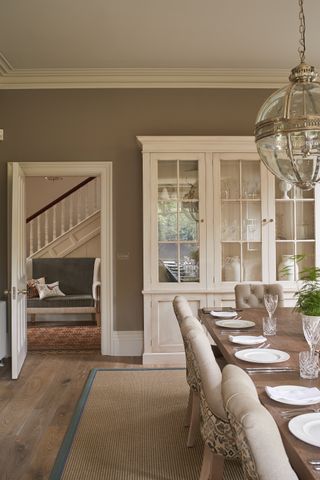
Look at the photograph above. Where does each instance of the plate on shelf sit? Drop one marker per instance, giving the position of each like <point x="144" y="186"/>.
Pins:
<point x="226" y="314"/>
<point x="262" y="355"/>
<point x="247" y="339"/>
<point x="235" y="324"/>
<point x="307" y="428"/>
<point x="291" y="394"/>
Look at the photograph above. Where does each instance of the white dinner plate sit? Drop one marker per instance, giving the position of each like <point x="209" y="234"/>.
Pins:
<point x="235" y="323"/>
<point x="262" y="355"/>
<point x="247" y="339"/>
<point x="225" y="314"/>
<point x="300" y="388"/>
<point x="307" y="428"/>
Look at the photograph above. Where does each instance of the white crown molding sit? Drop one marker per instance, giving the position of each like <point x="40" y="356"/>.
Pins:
<point x="12" y="78"/>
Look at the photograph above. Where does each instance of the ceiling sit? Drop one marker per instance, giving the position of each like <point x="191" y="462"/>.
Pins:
<point x="152" y="43"/>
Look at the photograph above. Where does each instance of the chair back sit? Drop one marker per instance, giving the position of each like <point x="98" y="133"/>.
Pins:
<point x="181" y="308"/>
<point x="214" y="425"/>
<point x="250" y="295"/>
<point x="256" y="433"/>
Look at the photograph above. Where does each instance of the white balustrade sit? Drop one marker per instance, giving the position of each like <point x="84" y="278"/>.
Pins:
<point x="78" y="206"/>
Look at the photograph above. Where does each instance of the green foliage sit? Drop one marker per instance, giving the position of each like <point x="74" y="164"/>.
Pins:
<point x="308" y="296"/>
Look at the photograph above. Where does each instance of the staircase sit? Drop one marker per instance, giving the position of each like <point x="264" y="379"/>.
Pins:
<point x="65" y="224"/>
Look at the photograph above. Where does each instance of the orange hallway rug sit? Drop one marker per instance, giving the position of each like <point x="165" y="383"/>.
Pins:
<point x="86" y="337"/>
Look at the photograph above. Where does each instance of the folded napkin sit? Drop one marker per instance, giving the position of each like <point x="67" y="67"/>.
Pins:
<point x="296" y="393"/>
<point x="248" y="339"/>
<point x="226" y="314"/>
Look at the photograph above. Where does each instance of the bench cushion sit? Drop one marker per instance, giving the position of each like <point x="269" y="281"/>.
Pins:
<point x="62" y="302"/>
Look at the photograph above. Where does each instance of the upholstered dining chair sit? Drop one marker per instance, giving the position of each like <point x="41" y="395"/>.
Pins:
<point x="258" y="439"/>
<point x="192" y="419"/>
<point x="250" y="295"/>
<point x="218" y="437"/>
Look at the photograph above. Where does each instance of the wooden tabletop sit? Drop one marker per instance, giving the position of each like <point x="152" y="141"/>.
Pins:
<point x="289" y="338"/>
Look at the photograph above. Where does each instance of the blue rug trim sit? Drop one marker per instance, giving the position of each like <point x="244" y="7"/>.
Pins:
<point x="64" y="450"/>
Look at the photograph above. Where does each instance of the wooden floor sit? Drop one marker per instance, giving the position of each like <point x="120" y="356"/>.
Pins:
<point x="36" y="409"/>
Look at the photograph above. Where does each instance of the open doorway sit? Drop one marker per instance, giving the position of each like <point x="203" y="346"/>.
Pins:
<point x="17" y="173"/>
<point x="63" y="232"/>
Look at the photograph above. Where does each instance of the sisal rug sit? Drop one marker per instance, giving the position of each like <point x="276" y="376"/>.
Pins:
<point x="128" y="425"/>
<point x="64" y="338"/>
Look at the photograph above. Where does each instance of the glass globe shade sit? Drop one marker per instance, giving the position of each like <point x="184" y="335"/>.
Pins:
<point x="287" y="130"/>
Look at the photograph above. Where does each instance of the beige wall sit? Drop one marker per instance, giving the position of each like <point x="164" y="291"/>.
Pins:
<point x="102" y="125"/>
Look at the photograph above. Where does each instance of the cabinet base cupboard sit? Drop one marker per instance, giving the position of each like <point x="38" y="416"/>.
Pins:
<point x="214" y="216"/>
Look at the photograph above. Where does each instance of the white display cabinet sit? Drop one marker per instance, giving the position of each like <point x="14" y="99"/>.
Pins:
<point x="214" y="216"/>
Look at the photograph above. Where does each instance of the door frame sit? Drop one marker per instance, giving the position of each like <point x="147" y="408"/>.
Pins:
<point x="104" y="171"/>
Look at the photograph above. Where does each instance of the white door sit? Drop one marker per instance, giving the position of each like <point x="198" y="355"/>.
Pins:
<point x="17" y="221"/>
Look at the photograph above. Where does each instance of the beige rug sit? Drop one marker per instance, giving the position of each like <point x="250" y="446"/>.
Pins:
<point x="129" y="425"/>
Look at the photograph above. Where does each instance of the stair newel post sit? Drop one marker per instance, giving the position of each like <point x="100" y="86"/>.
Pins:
<point x="38" y="233"/>
<point x="54" y="222"/>
<point x="70" y="212"/>
<point x="62" y="217"/>
<point x="31" y="237"/>
<point x="46" y="228"/>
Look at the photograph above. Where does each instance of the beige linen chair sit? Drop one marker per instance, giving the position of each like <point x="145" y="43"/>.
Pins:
<point x="193" y="410"/>
<point x="250" y="295"/>
<point x="257" y="435"/>
<point x="214" y="424"/>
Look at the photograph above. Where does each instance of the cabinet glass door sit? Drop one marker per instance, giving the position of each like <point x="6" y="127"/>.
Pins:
<point x="178" y="220"/>
<point x="295" y="229"/>
<point x="241" y="236"/>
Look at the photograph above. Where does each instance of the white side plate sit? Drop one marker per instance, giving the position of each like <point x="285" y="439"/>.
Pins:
<point x="247" y="339"/>
<point x="235" y="323"/>
<point x="307" y="428"/>
<point x="300" y="388"/>
<point x="262" y="355"/>
<point x="226" y="314"/>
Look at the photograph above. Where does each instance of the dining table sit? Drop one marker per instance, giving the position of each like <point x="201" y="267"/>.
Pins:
<point x="289" y="338"/>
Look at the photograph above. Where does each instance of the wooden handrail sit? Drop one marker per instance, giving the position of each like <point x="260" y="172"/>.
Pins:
<point x="62" y="197"/>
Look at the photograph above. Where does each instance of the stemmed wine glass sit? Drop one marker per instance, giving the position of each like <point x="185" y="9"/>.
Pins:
<point x="271" y="303"/>
<point x="311" y="331"/>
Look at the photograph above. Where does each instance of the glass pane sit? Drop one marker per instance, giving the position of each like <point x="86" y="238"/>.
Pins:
<point x="250" y="172"/>
<point x="189" y="254"/>
<point x="284" y="220"/>
<point x="308" y="250"/>
<point x="230" y="179"/>
<point x="231" y="268"/>
<point x="298" y="193"/>
<point x="167" y="227"/>
<point x="230" y="228"/>
<point x="251" y="215"/>
<point x="188" y="180"/>
<point x="167" y="179"/>
<point x="189" y="221"/>
<point x="252" y="268"/>
<point x="305" y="220"/>
<point x="168" y="262"/>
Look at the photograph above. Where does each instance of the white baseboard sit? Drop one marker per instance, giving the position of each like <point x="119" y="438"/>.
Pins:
<point x="127" y="343"/>
<point x="176" y="359"/>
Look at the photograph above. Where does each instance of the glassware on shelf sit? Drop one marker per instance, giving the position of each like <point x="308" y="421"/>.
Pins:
<point x="284" y="188"/>
<point x="271" y="303"/>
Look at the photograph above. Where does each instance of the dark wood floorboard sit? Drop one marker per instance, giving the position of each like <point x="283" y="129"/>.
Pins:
<point x="36" y="409"/>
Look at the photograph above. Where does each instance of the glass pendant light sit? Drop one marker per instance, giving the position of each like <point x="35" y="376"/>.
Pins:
<point x="287" y="128"/>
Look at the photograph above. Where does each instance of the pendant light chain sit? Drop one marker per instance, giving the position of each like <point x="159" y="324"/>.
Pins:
<point x="302" y="31"/>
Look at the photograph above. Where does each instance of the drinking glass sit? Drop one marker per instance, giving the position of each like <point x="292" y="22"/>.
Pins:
<point x="271" y="303"/>
<point x="311" y="331"/>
